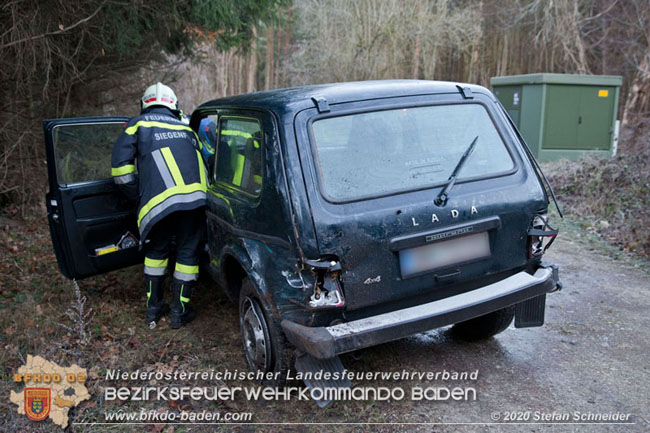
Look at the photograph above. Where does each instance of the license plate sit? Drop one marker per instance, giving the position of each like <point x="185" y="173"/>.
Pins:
<point x="446" y="253"/>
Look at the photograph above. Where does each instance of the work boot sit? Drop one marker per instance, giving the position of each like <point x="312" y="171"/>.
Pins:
<point x="156" y="307"/>
<point x="182" y="313"/>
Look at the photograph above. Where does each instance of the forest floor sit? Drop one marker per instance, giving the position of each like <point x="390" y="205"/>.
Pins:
<point x="589" y="357"/>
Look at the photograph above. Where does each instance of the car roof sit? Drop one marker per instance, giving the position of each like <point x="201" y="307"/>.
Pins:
<point x="294" y="99"/>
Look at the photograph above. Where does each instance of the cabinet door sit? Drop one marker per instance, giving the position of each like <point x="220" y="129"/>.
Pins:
<point x="562" y="116"/>
<point x="595" y="119"/>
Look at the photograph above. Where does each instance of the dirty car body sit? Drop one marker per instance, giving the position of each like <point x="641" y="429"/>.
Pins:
<point x="342" y="214"/>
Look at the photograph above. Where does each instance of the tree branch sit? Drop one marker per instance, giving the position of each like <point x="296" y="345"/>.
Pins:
<point x="58" y="32"/>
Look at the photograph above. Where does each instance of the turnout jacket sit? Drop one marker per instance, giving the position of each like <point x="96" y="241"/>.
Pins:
<point x="171" y="172"/>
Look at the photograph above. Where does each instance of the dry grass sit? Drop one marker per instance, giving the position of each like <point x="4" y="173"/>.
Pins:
<point x="612" y="195"/>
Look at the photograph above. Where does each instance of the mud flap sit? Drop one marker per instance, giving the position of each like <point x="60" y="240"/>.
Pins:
<point x="309" y="366"/>
<point x="530" y="312"/>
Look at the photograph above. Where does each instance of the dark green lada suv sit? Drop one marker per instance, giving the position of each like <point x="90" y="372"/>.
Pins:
<point x="339" y="216"/>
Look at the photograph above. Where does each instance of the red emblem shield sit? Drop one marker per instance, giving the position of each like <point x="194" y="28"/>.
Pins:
<point x="37" y="403"/>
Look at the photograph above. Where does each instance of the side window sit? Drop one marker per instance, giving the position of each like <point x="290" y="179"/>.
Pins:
<point x="239" y="154"/>
<point x="83" y="151"/>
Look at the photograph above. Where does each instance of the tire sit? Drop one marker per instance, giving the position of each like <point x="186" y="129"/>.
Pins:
<point x="483" y="327"/>
<point x="265" y="346"/>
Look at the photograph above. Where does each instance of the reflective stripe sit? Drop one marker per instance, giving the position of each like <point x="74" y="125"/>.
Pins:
<point x="233" y="132"/>
<point x="167" y="198"/>
<point x="182" y="298"/>
<point x="209" y="148"/>
<point x="257" y="179"/>
<point x="201" y="168"/>
<point x="125" y="169"/>
<point x="156" y="263"/>
<point x="162" y="168"/>
<point x="239" y="170"/>
<point x="149" y="124"/>
<point x="186" y="273"/>
<point x="163" y="196"/>
<point x="149" y="293"/>
<point x="185" y="277"/>
<point x="188" y="269"/>
<point x="154" y="272"/>
<point x="173" y="167"/>
<point x="126" y="178"/>
<point x="236" y="133"/>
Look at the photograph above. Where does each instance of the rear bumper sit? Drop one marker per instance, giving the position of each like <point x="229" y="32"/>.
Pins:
<point x="328" y="341"/>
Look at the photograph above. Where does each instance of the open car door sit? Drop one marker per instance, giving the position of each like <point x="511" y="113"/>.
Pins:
<point x="93" y="225"/>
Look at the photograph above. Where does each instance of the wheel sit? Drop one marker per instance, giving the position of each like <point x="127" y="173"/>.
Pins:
<point x="265" y="347"/>
<point x="485" y="326"/>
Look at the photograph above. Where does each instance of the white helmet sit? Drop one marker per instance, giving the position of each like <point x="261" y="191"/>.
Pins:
<point x="159" y="94"/>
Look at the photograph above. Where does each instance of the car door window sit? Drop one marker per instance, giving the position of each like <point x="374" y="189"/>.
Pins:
<point x="83" y="151"/>
<point x="239" y="154"/>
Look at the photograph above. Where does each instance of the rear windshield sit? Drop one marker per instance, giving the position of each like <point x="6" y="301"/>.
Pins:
<point x="377" y="153"/>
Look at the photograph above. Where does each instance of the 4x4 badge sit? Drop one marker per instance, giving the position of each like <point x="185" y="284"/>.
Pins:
<point x="377" y="279"/>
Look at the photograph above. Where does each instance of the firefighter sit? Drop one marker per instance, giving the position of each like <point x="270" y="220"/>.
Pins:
<point x="170" y="190"/>
<point x="208" y="137"/>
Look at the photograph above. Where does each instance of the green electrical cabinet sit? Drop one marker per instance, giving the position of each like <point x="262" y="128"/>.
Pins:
<point x="563" y="115"/>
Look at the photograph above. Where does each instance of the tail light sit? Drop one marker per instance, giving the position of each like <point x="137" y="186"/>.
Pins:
<point x="540" y="236"/>
<point x="327" y="287"/>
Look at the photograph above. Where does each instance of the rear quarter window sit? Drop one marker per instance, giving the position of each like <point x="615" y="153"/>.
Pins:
<point x="239" y="154"/>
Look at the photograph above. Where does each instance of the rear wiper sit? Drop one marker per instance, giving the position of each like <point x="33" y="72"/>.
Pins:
<point x="441" y="200"/>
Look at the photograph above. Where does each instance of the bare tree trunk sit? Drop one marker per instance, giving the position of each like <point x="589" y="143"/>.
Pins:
<point x="241" y="77"/>
<point x="416" y="58"/>
<point x="572" y="25"/>
<point x="285" y="50"/>
<point x="434" y="64"/>
<point x="416" y="50"/>
<point x="639" y="93"/>
<point x="224" y="75"/>
<point x="504" y="57"/>
<point x="233" y="72"/>
<point x="252" y="64"/>
<point x="278" y="57"/>
<point x="268" y="76"/>
<point x="473" y="70"/>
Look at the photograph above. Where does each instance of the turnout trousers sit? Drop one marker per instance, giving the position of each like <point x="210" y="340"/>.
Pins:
<point x="186" y="227"/>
